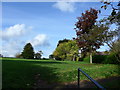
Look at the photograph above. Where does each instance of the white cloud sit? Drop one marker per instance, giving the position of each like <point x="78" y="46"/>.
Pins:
<point x="39" y="40"/>
<point x="11" y="48"/>
<point x="15" y="37"/>
<point x="14" y="31"/>
<point x="12" y="42"/>
<point x="65" y="6"/>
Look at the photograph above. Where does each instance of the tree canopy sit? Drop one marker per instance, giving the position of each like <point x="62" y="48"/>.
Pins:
<point x="90" y="33"/>
<point x="28" y="51"/>
<point x="66" y="50"/>
<point x="62" y="41"/>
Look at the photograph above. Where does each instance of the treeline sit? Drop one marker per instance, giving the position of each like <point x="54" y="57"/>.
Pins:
<point x="28" y="53"/>
<point x="68" y="50"/>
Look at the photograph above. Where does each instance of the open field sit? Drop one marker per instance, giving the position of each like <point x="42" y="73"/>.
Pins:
<point x="23" y="73"/>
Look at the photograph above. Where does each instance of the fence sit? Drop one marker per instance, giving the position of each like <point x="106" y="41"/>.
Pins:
<point x="95" y="82"/>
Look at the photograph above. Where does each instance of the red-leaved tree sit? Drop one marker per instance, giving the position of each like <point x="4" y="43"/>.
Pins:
<point x="90" y="34"/>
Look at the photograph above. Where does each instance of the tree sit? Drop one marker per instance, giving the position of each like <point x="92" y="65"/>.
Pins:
<point x="114" y="18"/>
<point x="115" y="15"/>
<point x="111" y="35"/>
<point x="90" y="34"/>
<point x="66" y="51"/>
<point x="28" y="51"/>
<point x="116" y="49"/>
<point x="38" y="55"/>
<point x="60" y="52"/>
<point x="51" y="56"/>
<point x="62" y="41"/>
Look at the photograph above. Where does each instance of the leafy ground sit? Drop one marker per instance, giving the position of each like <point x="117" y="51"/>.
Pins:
<point x="26" y="73"/>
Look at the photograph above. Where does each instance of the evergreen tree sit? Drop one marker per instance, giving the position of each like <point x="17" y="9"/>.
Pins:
<point x="28" y="52"/>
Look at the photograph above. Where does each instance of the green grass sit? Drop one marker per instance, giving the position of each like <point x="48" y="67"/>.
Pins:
<point x="18" y="73"/>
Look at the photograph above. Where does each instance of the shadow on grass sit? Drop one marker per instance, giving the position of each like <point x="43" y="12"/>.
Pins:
<point x="41" y="62"/>
<point x="27" y="75"/>
<point x="111" y="82"/>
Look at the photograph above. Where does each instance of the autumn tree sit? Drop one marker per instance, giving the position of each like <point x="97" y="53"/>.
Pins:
<point x="90" y="33"/>
<point x="28" y="51"/>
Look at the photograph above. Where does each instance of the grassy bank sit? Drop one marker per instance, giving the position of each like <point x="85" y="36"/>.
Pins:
<point x="20" y="73"/>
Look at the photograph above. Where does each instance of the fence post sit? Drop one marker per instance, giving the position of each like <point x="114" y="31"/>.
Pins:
<point x="78" y="78"/>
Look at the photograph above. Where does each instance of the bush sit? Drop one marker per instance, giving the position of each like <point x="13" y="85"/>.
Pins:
<point x="99" y="58"/>
<point x="105" y="59"/>
<point x="111" y="59"/>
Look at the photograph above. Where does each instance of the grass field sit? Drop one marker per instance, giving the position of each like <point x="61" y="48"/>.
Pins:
<point x="21" y="73"/>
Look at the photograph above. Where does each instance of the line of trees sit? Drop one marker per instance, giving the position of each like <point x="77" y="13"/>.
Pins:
<point x="91" y="34"/>
<point x="28" y="53"/>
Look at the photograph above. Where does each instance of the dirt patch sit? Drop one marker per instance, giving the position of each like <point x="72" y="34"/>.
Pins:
<point x="83" y="83"/>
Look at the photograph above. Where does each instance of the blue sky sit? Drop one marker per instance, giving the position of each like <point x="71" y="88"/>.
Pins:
<point x="41" y="23"/>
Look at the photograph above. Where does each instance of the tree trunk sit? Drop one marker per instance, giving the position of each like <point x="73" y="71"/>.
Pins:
<point x="73" y="57"/>
<point x="90" y="57"/>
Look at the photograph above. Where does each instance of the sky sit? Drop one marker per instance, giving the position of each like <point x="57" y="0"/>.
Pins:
<point x="42" y="24"/>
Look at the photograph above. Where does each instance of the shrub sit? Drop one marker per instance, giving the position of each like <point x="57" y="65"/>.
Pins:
<point x="111" y="59"/>
<point x="105" y="59"/>
<point x="99" y="58"/>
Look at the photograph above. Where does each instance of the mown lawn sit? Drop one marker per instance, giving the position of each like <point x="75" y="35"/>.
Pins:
<point x="20" y="73"/>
